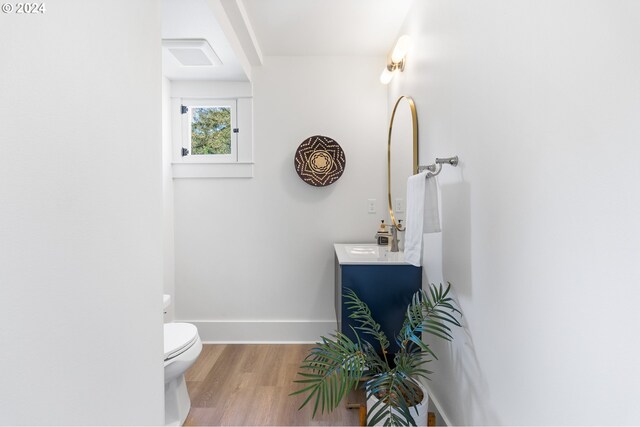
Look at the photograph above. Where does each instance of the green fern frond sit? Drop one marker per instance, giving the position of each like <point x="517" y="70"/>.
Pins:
<point x="360" y="312"/>
<point x="431" y="312"/>
<point x="395" y="393"/>
<point x="330" y="371"/>
<point x="411" y="365"/>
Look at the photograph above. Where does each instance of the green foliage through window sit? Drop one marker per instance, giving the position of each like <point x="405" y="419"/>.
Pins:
<point x="211" y="130"/>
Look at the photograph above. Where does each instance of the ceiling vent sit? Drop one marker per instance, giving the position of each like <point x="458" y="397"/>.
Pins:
<point x="192" y="52"/>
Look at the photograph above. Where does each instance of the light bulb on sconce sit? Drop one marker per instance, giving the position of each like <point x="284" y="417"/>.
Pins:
<point x="386" y="76"/>
<point x="396" y="60"/>
<point x="401" y="49"/>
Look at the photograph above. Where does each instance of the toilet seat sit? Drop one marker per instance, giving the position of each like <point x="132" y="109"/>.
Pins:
<point x="178" y="337"/>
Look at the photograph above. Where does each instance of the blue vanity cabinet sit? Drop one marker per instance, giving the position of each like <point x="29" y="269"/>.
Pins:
<point x="386" y="288"/>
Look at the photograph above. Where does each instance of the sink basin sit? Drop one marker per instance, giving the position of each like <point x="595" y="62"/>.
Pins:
<point x="367" y="253"/>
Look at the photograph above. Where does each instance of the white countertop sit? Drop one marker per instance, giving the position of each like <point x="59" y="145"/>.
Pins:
<point x="367" y="254"/>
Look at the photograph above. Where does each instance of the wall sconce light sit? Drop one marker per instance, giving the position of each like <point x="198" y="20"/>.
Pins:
<point x="397" y="59"/>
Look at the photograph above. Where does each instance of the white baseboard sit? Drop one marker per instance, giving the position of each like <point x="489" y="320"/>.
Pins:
<point x="262" y="332"/>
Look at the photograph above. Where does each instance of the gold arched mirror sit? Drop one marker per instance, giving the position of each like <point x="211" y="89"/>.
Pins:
<point x="402" y="156"/>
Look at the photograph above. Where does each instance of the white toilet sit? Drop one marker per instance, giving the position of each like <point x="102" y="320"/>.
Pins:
<point x="182" y="346"/>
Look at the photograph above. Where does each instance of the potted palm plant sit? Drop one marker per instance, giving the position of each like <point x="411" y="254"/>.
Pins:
<point x="336" y="365"/>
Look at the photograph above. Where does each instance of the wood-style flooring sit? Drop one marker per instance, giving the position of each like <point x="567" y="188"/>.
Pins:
<point x="249" y="385"/>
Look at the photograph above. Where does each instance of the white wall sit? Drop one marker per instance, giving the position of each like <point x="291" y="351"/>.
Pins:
<point x="254" y="257"/>
<point x="80" y="217"/>
<point x="541" y="237"/>
<point x="169" y="272"/>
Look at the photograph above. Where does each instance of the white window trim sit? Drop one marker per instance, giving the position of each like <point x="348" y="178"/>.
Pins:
<point x="186" y="131"/>
<point x="204" y="166"/>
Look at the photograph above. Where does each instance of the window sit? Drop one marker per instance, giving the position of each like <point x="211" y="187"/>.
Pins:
<point x="210" y="131"/>
<point x="212" y="135"/>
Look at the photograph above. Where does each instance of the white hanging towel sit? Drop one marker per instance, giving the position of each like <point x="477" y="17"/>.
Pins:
<point x="422" y="215"/>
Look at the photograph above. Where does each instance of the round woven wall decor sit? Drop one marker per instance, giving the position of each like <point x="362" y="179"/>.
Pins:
<point x="319" y="161"/>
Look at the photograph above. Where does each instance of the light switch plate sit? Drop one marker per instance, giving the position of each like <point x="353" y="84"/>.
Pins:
<point x="371" y="206"/>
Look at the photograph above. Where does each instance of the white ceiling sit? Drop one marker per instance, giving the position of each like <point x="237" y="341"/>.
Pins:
<point x="284" y="27"/>
<point x="194" y="19"/>
<point x="326" y="27"/>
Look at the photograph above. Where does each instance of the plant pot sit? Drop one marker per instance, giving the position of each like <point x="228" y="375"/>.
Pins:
<point x="420" y="417"/>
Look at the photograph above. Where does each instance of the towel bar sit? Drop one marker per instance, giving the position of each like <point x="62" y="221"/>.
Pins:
<point x="434" y="169"/>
